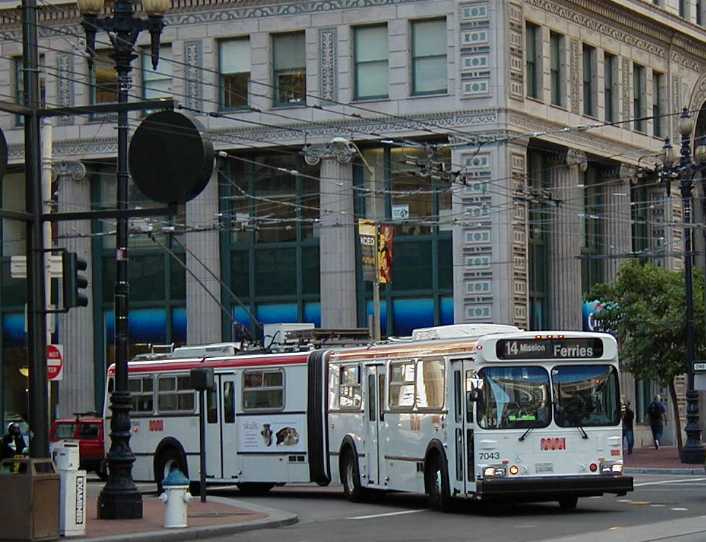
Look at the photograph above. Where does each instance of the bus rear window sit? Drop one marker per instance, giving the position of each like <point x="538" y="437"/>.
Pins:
<point x="263" y="390"/>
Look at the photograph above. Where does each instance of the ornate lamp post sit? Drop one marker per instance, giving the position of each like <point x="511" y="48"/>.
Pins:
<point x="684" y="169"/>
<point x="120" y="498"/>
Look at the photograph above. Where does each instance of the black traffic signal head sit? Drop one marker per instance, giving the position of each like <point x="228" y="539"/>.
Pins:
<point x="74" y="280"/>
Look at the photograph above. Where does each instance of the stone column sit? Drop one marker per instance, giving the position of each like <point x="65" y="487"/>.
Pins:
<point x="618" y="228"/>
<point x="566" y="239"/>
<point x="337" y="235"/>
<point x="203" y="315"/>
<point x="77" y="327"/>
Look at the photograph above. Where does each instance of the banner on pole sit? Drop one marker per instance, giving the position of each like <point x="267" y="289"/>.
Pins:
<point x="367" y="231"/>
<point x="385" y="235"/>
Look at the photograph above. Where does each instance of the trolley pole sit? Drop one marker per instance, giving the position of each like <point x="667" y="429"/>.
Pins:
<point x="36" y="323"/>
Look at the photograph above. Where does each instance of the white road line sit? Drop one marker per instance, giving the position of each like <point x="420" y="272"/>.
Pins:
<point x="400" y="513"/>
<point x="658" y="505"/>
<point x="664" y="482"/>
<point x="680" y="509"/>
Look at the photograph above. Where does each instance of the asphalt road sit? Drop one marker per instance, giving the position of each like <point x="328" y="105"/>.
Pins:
<point x="661" y="508"/>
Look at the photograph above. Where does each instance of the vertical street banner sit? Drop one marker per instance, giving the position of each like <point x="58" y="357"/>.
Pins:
<point x="385" y="235"/>
<point x="367" y="232"/>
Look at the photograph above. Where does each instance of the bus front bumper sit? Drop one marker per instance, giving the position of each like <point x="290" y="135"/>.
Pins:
<point x="551" y="487"/>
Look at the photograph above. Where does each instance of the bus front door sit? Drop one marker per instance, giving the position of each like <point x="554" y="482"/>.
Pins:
<point x="460" y="440"/>
<point x="220" y="428"/>
<point x="374" y="415"/>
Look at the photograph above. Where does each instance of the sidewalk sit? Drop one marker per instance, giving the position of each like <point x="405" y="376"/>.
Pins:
<point x="662" y="461"/>
<point x="217" y="517"/>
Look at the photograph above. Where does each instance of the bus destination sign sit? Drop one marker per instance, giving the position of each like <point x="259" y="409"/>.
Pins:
<point x="566" y="348"/>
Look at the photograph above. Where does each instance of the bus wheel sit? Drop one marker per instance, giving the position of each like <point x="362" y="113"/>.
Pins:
<point x="437" y="485"/>
<point x="568" y="503"/>
<point x="350" y="477"/>
<point x="168" y="460"/>
<point x="254" y="489"/>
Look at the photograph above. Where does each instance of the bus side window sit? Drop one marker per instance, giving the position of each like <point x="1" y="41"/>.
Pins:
<point x="263" y="389"/>
<point x="381" y="396"/>
<point x="349" y="392"/>
<point x="458" y="397"/>
<point x="141" y="393"/>
<point x="175" y="394"/>
<point x="372" y="414"/>
<point x="401" y="394"/>
<point x="228" y="402"/>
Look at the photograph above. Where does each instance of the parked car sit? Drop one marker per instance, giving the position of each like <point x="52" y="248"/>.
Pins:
<point x="87" y="429"/>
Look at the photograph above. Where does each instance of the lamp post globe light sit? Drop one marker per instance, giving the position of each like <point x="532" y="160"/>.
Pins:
<point x="683" y="168"/>
<point x="120" y="498"/>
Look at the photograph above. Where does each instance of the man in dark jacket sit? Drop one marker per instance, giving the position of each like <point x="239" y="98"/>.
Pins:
<point x="628" y="420"/>
<point x="656" y="411"/>
<point x="13" y="443"/>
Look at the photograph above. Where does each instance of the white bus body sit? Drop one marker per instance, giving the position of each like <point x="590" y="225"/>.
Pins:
<point x="509" y="414"/>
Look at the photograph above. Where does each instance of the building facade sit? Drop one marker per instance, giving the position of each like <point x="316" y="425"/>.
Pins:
<point x="506" y="141"/>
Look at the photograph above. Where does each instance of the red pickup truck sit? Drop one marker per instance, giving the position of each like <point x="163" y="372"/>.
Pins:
<point x="88" y="431"/>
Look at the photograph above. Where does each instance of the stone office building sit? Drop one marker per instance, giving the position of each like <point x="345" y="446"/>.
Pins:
<point x="540" y="111"/>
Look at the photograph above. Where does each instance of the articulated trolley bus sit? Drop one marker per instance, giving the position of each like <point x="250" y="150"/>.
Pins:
<point x="468" y="411"/>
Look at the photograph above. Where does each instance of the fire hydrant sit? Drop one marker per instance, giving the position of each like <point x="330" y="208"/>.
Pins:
<point x="176" y="496"/>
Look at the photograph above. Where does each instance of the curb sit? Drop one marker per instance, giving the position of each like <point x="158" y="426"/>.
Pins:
<point x="658" y="470"/>
<point x="277" y="518"/>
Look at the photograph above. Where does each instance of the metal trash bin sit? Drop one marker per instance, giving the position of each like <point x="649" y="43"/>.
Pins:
<point x="72" y="494"/>
<point x="33" y="512"/>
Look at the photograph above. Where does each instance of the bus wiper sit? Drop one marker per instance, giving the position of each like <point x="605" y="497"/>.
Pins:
<point x="527" y="432"/>
<point x="584" y="435"/>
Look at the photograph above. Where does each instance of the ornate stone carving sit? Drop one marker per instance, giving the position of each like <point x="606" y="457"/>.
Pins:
<point x="65" y="83"/>
<point x="328" y="63"/>
<point x="515" y="50"/>
<point x="603" y="18"/>
<point x="576" y="158"/>
<point x="676" y="105"/>
<point x="627" y="85"/>
<point x="575" y="76"/>
<point x="343" y="152"/>
<point x="71" y="169"/>
<point x="193" y="57"/>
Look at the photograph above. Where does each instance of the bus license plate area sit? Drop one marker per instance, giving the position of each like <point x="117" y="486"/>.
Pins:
<point x="544" y="468"/>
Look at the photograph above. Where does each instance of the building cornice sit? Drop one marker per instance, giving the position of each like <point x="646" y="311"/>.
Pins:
<point x="591" y="141"/>
<point x="654" y="36"/>
<point x="244" y="138"/>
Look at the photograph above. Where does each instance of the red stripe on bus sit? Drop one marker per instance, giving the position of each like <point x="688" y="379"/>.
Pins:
<point x="172" y="365"/>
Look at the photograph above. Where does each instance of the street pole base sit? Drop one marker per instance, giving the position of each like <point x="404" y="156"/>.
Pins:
<point x="120" y="504"/>
<point x="693" y="455"/>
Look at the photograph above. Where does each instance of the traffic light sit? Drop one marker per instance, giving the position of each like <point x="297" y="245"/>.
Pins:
<point x="74" y="281"/>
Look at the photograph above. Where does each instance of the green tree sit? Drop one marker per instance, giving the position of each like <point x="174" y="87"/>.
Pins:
<point x="645" y="308"/>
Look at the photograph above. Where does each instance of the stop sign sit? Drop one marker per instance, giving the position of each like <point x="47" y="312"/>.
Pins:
<point x="55" y="361"/>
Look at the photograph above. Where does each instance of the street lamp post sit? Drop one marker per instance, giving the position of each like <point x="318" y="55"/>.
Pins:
<point x="684" y="170"/>
<point x="120" y="498"/>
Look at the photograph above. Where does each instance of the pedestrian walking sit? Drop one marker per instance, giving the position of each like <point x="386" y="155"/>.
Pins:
<point x="656" y="411"/>
<point x="628" y="421"/>
<point x="13" y="443"/>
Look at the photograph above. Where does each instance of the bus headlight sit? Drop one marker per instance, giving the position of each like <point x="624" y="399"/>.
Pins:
<point x="494" y="472"/>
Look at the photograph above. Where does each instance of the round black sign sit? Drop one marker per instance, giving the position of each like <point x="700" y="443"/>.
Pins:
<point x="3" y="155"/>
<point x="171" y="159"/>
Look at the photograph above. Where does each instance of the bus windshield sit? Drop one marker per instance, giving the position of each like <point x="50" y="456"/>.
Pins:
<point x="586" y="395"/>
<point x="514" y="398"/>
